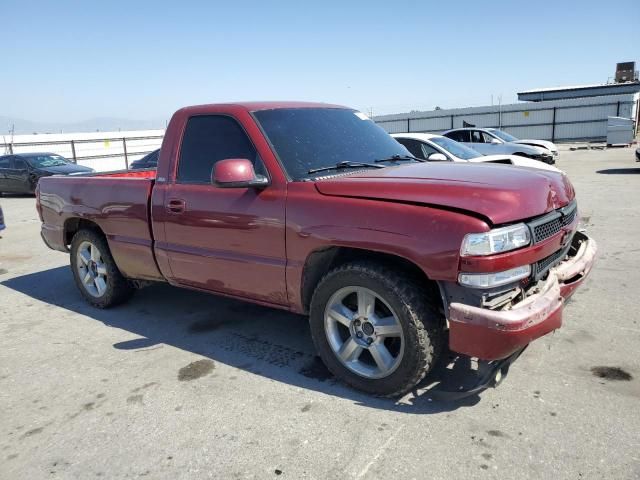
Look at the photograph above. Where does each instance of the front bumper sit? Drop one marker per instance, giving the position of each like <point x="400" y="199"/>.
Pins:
<point x="496" y="334"/>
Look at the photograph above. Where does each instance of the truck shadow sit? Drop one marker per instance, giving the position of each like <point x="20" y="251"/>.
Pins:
<point x="264" y="341"/>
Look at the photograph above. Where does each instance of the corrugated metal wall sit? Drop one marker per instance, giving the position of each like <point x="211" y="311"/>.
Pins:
<point x="557" y="120"/>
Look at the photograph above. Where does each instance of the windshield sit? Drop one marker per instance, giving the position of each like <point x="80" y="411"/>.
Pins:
<point x="43" y="161"/>
<point x="504" y="135"/>
<point x="311" y="138"/>
<point x="456" y="149"/>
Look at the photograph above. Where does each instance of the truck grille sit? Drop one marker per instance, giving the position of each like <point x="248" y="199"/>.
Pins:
<point x="543" y="266"/>
<point x="548" y="227"/>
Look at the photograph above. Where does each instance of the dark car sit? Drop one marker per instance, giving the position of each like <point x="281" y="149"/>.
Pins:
<point x="638" y="155"/>
<point x="20" y="172"/>
<point x="2" y="226"/>
<point x="148" y="161"/>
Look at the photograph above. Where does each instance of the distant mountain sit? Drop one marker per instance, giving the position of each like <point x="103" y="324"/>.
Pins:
<point x="102" y="124"/>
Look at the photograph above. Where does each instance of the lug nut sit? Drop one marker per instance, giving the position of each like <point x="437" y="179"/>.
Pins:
<point x="359" y="334"/>
<point x="356" y="323"/>
<point x="369" y="341"/>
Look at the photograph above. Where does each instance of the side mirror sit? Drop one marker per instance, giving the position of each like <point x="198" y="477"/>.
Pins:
<point x="237" y="173"/>
<point x="495" y="141"/>
<point x="437" y="157"/>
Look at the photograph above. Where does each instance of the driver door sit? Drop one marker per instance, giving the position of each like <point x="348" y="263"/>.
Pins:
<point x="478" y="143"/>
<point x="226" y="240"/>
<point x="5" y="168"/>
<point x="19" y="176"/>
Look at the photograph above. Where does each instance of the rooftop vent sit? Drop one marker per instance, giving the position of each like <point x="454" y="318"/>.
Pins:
<point x="626" y="72"/>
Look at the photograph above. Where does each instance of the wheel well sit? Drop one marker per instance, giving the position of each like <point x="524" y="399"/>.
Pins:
<point x="74" y="225"/>
<point x="320" y="262"/>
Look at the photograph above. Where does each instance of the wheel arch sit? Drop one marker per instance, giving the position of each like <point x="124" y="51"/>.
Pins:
<point x="75" y="224"/>
<point x="320" y="262"/>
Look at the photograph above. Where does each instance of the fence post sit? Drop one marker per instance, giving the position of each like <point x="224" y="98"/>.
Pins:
<point x="618" y="109"/>
<point x="451" y="122"/>
<point x="11" y="149"/>
<point x="126" y="160"/>
<point x="553" y="126"/>
<point x="73" y="151"/>
<point x="408" y="124"/>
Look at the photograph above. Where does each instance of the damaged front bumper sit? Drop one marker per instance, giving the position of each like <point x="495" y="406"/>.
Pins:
<point x="497" y="334"/>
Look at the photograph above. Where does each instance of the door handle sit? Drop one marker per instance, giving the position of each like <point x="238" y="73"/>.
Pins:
<point x="176" y="206"/>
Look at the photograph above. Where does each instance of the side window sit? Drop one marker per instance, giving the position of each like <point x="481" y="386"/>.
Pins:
<point x="476" y="137"/>
<point x="19" y="164"/>
<point x="487" y="138"/>
<point x="151" y="160"/>
<point x="427" y="150"/>
<point x="209" y="139"/>
<point x="412" y="145"/>
<point x="5" y="162"/>
<point x="459" y="135"/>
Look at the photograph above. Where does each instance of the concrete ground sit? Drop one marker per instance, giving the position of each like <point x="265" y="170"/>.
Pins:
<point x="178" y="384"/>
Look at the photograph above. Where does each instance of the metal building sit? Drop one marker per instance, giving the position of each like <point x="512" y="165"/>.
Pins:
<point x="578" y="91"/>
<point x="583" y="118"/>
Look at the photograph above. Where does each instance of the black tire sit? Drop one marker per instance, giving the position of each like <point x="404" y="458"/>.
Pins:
<point x="118" y="288"/>
<point x="421" y="323"/>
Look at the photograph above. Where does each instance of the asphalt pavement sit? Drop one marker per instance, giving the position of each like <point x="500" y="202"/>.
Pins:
<point x="180" y="384"/>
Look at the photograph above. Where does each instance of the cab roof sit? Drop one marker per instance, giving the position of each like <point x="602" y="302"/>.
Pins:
<point x="266" y="105"/>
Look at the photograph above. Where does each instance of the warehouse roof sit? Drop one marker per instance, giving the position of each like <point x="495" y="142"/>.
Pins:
<point x="575" y="91"/>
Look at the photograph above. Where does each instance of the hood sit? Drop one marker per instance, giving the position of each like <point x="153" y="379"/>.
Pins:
<point x="516" y="160"/>
<point x="539" y="143"/>
<point x="498" y="193"/>
<point x="66" y="169"/>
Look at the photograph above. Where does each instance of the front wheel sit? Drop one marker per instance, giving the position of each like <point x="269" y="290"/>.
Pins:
<point x="95" y="272"/>
<point x="374" y="328"/>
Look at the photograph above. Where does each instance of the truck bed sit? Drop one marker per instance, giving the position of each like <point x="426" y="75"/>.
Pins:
<point x="117" y="202"/>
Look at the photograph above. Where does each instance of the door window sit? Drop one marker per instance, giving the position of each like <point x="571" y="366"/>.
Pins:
<point x="413" y="146"/>
<point x="459" y="135"/>
<point x="209" y="139"/>
<point x="477" y="137"/>
<point x="486" y="137"/>
<point x="19" y="164"/>
<point x="428" y="150"/>
<point x="5" y="162"/>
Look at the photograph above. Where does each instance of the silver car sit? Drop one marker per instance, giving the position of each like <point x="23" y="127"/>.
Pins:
<point x="491" y="141"/>
<point x="430" y="147"/>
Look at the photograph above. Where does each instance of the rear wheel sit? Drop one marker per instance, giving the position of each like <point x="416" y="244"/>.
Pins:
<point x="95" y="272"/>
<point x="374" y="328"/>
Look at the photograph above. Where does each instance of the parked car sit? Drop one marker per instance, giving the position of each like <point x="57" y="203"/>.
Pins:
<point x="637" y="154"/>
<point x="150" y="160"/>
<point x="488" y="142"/>
<point x="507" y="137"/>
<point x="2" y="225"/>
<point x="315" y="209"/>
<point x="20" y="172"/>
<point x="432" y="147"/>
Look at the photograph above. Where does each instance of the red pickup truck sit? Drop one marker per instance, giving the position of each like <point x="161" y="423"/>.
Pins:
<point x="313" y="208"/>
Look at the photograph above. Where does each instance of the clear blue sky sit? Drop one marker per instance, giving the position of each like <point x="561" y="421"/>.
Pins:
<point x="68" y="61"/>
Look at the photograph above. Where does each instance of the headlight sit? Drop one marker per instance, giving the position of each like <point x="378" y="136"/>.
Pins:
<point x="496" y="241"/>
<point x="488" y="280"/>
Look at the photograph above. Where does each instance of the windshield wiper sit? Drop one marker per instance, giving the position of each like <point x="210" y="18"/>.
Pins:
<point x="399" y="158"/>
<point x="341" y="165"/>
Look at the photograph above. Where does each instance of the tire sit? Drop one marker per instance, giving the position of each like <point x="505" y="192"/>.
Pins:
<point x="105" y="286"/>
<point x="413" y="339"/>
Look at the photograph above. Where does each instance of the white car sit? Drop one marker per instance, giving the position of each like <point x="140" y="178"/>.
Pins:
<point x="432" y="147"/>
<point x="490" y="141"/>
